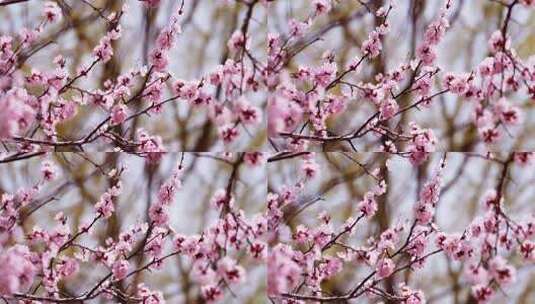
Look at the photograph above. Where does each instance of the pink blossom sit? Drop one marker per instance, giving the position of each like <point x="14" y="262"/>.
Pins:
<point x="486" y="67"/>
<point x="368" y="205"/>
<point x="321" y="6"/>
<point x="524" y="158"/>
<point x="155" y="246"/>
<point x="283" y="115"/>
<point x="527" y="250"/>
<point x="221" y="200"/>
<point x="507" y="113"/>
<point x="65" y="110"/>
<point x="186" y="90"/>
<point x="28" y="36"/>
<point x="422" y="143"/>
<point x="385" y="267"/>
<point x="489" y="134"/>
<point x="325" y="74"/>
<point x="418" y="244"/>
<point x="204" y="275"/>
<point x="119" y="114"/>
<point x="309" y="168"/>
<point x="454" y="246"/>
<point x="166" y="38"/>
<point x="168" y="189"/>
<point x="476" y="274"/>
<point x="101" y="99"/>
<point x="297" y="28"/>
<point x="302" y="234"/>
<point x="373" y="45"/>
<point x="436" y="30"/>
<point x="321" y="235"/>
<point x="103" y="51"/>
<point x="16" y="114"/>
<point x="412" y="296"/>
<point x="211" y="293"/>
<point x="429" y="196"/>
<point x="158" y="214"/>
<point x="426" y="53"/>
<point x="303" y="73"/>
<point x="52" y="12"/>
<point x="151" y="3"/>
<point x="258" y="250"/>
<point x="482" y="293"/>
<point x="105" y="206"/>
<point x="317" y="97"/>
<point x="120" y="269"/>
<point x="158" y="59"/>
<point x="424" y="213"/>
<point x="229" y="133"/>
<point x="283" y="271"/>
<point x="49" y="170"/>
<point x="67" y="267"/>
<point x="216" y="77"/>
<point x="248" y="114"/>
<point x="336" y="104"/>
<point x="220" y="114"/>
<point x="153" y="92"/>
<point x="496" y="42"/>
<point x="228" y="269"/>
<point x="490" y="199"/>
<point x="431" y="190"/>
<point x="388" y="239"/>
<point x="36" y="78"/>
<point x="150" y="146"/>
<point x="502" y="272"/>
<point x="423" y="86"/>
<point x="254" y="158"/>
<point x="17" y="271"/>
<point x="331" y="267"/>
<point x="148" y="296"/>
<point x="389" y="108"/>
<point x="115" y="33"/>
<point x="457" y="84"/>
<point x="238" y="42"/>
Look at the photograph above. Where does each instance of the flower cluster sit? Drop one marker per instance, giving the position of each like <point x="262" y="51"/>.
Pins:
<point x="37" y="103"/>
<point x="315" y="253"/>
<point x="379" y="87"/>
<point x="47" y="257"/>
<point x="314" y="103"/>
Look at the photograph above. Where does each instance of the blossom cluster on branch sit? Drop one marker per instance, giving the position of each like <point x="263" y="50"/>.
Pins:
<point x="251" y="151"/>
<point x="45" y="258"/>
<point x="33" y="104"/>
<point x="313" y="102"/>
<point x="315" y="253"/>
<point x="296" y="236"/>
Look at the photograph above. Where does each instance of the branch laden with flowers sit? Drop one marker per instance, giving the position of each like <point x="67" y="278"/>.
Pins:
<point x="65" y="262"/>
<point x="357" y="252"/>
<point x="267" y="151"/>
<point x="36" y="103"/>
<point x="365" y="102"/>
